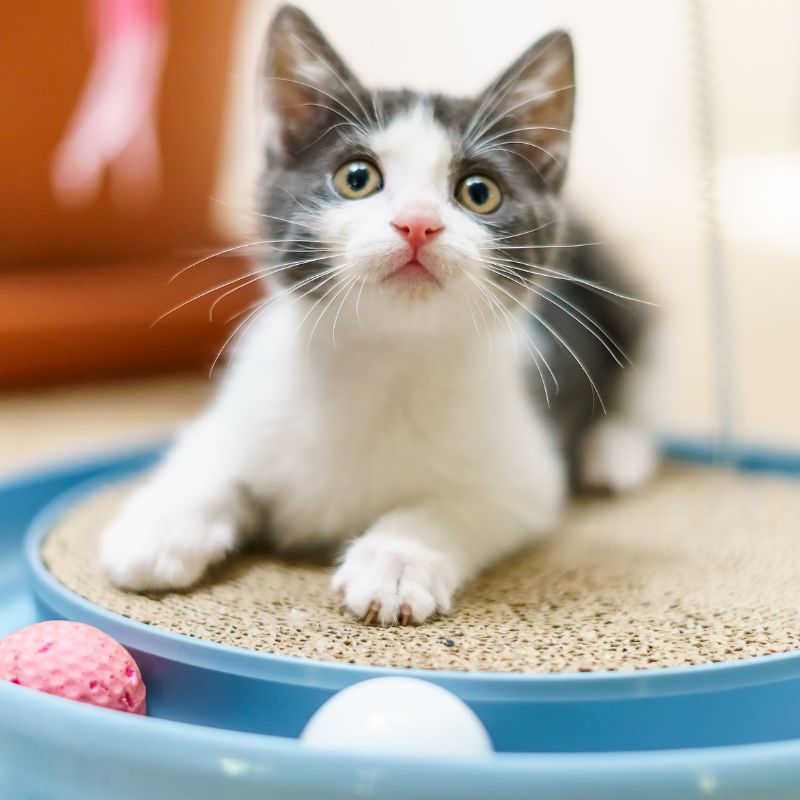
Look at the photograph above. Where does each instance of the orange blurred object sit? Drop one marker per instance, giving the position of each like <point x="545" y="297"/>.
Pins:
<point x="80" y="287"/>
<point x="73" y="323"/>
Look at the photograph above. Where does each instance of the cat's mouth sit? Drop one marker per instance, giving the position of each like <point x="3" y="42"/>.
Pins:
<point x="413" y="271"/>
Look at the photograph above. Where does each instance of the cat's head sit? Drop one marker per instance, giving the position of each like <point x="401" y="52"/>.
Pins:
<point x="421" y="210"/>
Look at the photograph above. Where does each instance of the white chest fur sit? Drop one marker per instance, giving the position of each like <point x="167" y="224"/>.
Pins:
<point x="338" y="437"/>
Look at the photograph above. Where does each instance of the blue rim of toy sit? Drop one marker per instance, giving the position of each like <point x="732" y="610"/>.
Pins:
<point x="743" y="771"/>
<point x="332" y="675"/>
<point x="746" y="458"/>
<point x="123" y="756"/>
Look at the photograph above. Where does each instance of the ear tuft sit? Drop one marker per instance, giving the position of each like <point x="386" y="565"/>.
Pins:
<point x="307" y="86"/>
<point x="529" y="108"/>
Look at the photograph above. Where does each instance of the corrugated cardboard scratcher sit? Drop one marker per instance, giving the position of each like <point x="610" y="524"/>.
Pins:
<point x="701" y="566"/>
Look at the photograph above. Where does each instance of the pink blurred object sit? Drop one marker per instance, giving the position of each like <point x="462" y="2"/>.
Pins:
<point x="114" y="123"/>
<point x="75" y="661"/>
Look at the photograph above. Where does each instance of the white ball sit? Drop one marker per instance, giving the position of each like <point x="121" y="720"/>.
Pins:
<point x="397" y="715"/>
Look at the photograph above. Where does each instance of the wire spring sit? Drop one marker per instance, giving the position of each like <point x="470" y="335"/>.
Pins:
<point x="724" y="437"/>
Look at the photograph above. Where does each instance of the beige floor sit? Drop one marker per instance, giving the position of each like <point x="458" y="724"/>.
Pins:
<point x="41" y="426"/>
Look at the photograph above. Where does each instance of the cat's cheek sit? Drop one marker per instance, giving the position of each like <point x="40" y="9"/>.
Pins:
<point x="464" y="242"/>
<point x="357" y="224"/>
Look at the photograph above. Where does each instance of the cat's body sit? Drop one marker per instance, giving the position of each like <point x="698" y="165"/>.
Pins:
<point x="392" y="391"/>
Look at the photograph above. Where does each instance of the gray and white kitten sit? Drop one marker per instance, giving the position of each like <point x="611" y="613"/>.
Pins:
<point x="439" y="357"/>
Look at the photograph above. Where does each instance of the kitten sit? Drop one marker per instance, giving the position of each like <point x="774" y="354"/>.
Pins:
<point x="429" y="301"/>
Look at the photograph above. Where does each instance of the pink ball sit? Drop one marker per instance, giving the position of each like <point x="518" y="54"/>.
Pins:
<point x="76" y="661"/>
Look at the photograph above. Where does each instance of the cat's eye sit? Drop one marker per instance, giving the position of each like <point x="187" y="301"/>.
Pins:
<point x="357" y="179"/>
<point x="479" y="194"/>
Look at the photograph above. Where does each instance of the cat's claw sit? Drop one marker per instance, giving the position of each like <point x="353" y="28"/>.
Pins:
<point x="405" y="617"/>
<point x="372" y="613"/>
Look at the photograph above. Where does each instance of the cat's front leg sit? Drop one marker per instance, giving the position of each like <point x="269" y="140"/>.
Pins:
<point x="192" y="512"/>
<point x="409" y="564"/>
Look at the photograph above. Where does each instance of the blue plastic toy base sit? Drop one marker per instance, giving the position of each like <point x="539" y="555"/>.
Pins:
<point x="52" y="748"/>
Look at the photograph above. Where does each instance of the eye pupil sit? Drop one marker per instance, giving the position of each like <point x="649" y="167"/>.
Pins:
<point x="479" y="194"/>
<point x="478" y="191"/>
<point x="357" y="177"/>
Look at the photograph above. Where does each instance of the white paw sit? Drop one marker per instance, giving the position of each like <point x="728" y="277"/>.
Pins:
<point x="390" y="579"/>
<point x="158" y="542"/>
<point x="617" y="456"/>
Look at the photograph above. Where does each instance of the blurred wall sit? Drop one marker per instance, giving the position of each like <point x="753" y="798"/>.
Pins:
<point x="634" y="170"/>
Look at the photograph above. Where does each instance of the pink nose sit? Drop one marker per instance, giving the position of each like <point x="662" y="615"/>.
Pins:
<point x="416" y="229"/>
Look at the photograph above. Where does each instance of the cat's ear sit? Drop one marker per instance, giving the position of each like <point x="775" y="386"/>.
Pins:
<point x="529" y="107"/>
<point x="306" y="86"/>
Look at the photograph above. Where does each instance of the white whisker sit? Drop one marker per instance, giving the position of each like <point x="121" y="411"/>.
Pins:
<point x="557" y="161"/>
<point x="358" y="300"/>
<point x="226" y="251"/>
<point x="329" y="129"/>
<point x="525" y="233"/>
<point x="353" y="116"/>
<point x="588" y="317"/>
<point x="260" y="309"/>
<point x="489" y="337"/>
<point x="607" y="343"/>
<point x="519" y="155"/>
<point x="337" y="288"/>
<point x="556" y="336"/>
<point x="248" y="277"/>
<point x="497" y="136"/>
<point x="351" y="283"/>
<point x="287" y="221"/>
<point x="265" y="273"/>
<point x="497" y="94"/>
<point x="292" y="197"/>
<point x="528" y="101"/>
<point x="548" y="272"/>
<point x="329" y="67"/>
<point x="528" y="342"/>
<point x="338" y="270"/>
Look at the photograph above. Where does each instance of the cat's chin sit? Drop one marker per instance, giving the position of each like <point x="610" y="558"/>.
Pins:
<point x="414" y="289"/>
<point x="415" y="292"/>
<point x="402" y="307"/>
<point x="413" y="281"/>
